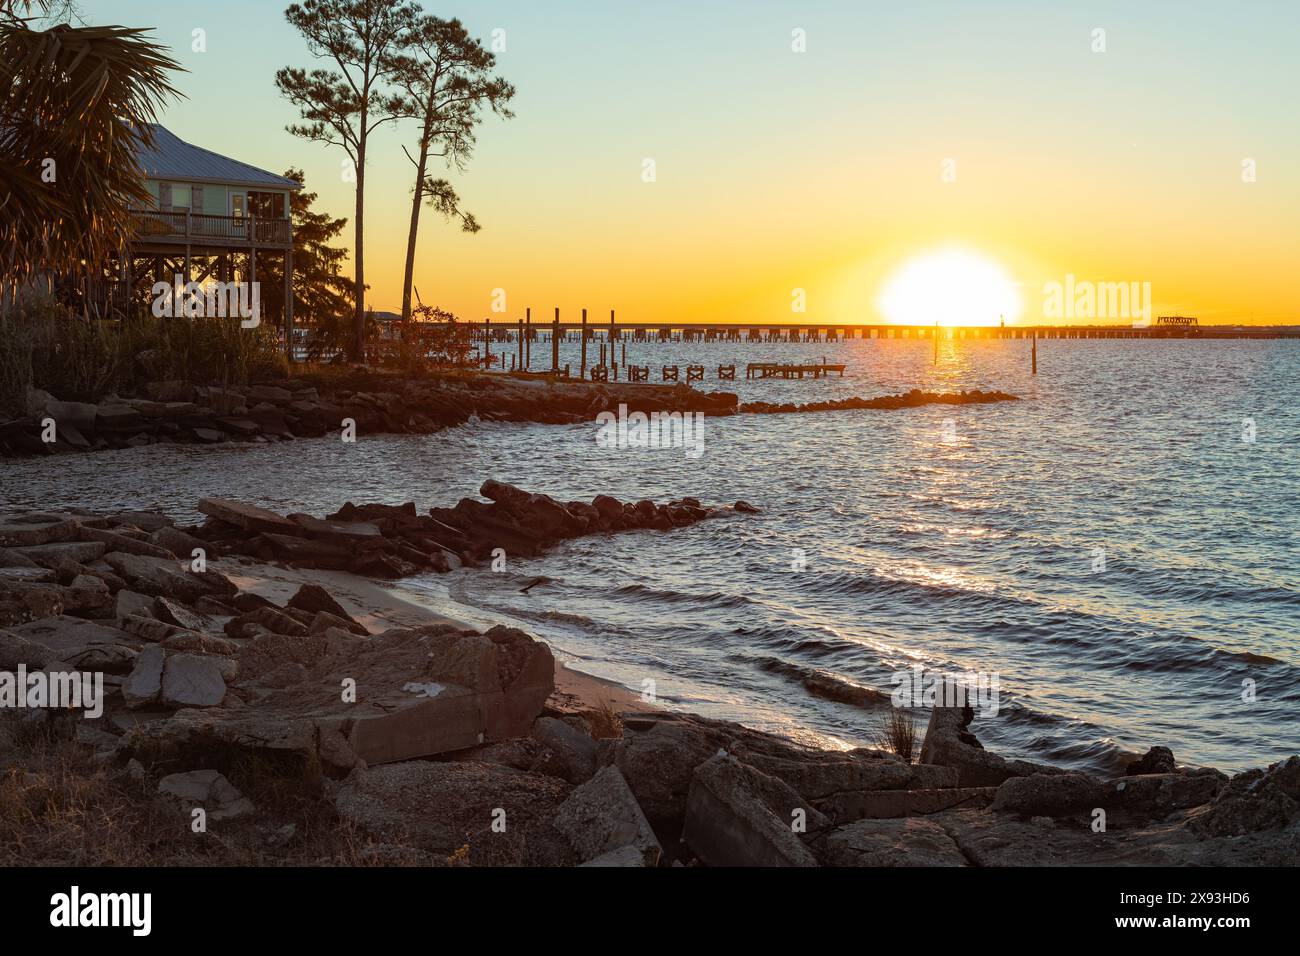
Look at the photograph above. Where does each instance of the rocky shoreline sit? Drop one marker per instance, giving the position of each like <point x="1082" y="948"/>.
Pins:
<point x="373" y="403"/>
<point x="913" y="399"/>
<point x="429" y="743"/>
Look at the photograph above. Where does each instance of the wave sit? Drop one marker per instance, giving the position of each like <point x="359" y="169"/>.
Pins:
<point x="710" y="599"/>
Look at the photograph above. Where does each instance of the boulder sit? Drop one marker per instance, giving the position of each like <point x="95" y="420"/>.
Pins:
<point x="916" y="841"/>
<point x="571" y="752"/>
<point x="18" y="651"/>
<point x="314" y="598"/>
<point x="147" y="628"/>
<point x="143" y="685"/>
<point x="145" y="520"/>
<point x="601" y="816"/>
<point x="128" y="603"/>
<point x="886" y="804"/>
<point x="658" y="763"/>
<point x="54" y="554"/>
<point x="21" y="530"/>
<point x="270" y="393"/>
<point x="323" y="621"/>
<point x="1256" y="800"/>
<point x="86" y="645"/>
<point x="608" y="507"/>
<point x="950" y="743"/>
<point x="11" y="558"/>
<point x="626" y="856"/>
<point x="660" y="751"/>
<point x="87" y="593"/>
<point x="271" y="618"/>
<point x="399" y="695"/>
<point x="1050" y="795"/>
<point x="200" y="644"/>
<point x="181" y="543"/>
<point x="249" y="517"/>
<point x="1155" y="760"/>
<point x="1157" y="795"/>
<point x="739" y="816"/>
<point x="354" y="535"/>
<point x="80" y="415"/>
<point x="117" y="417"/>
<point x="123" y="543"/>
<point x="190" y="680"/>
<point x="160" y="577"/>
<point x="207" y="789"/>
<point x="175" y="613"/>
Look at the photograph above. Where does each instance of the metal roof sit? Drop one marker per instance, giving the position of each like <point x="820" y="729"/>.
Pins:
<point x="173" y="158"/>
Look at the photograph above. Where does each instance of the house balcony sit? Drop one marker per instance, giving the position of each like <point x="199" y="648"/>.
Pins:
<point x="155" y="228"/>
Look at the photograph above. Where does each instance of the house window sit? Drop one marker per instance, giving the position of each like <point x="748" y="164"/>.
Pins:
<point x="237" y="205"/>
<point x="180" y="197"/>
<point x="266" y="205"/>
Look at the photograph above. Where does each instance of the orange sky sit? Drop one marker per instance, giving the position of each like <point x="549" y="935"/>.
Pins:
<point x="825" y="170"/>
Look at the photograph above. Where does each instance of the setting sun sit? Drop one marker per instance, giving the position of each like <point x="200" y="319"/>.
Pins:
<point x="951" y="287"/>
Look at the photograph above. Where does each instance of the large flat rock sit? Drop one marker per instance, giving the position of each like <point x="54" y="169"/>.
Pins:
<point x="344" y="699"/>
<point x="32" y="529"/>
<point x="246" y="516"/>
<point x="83" y="644"/>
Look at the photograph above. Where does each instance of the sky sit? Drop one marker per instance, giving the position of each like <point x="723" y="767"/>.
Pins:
<point x="845" y="180"/>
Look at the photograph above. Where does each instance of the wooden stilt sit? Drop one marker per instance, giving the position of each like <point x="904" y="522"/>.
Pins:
<point x="555" y="342"/>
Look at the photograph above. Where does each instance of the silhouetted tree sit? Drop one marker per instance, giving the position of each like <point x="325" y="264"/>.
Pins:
<point x="446" y="76"/>
<point x="344" y="105"/>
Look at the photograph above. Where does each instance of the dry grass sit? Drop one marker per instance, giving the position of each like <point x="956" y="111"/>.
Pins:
<point x="606" y="723"/>
<point x="896" y="733"/>
<point x="59" y="806"/>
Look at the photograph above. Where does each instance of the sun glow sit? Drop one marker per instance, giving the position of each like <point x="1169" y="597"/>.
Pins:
<point x="951" y="287"/>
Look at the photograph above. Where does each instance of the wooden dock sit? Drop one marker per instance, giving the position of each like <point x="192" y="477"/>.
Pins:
<point x="790" y="370"/>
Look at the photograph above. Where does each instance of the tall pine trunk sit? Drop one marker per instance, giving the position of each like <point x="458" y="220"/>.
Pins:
<point x="409" y="279"/>
<point x="359" y="320"/>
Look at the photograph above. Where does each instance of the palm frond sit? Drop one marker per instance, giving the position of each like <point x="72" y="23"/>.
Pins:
<point x="75" y="104"/>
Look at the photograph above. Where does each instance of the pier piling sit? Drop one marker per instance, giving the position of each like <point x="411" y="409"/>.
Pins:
<point x="582" y="366"/>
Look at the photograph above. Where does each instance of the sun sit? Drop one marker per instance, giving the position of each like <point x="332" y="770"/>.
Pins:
<point x="951" y="287"/>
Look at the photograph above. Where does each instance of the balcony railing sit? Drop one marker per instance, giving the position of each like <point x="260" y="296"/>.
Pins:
<point x="152" y="224"/>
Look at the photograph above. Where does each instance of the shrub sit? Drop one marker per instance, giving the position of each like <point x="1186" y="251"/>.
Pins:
<point x="45" y="346"/>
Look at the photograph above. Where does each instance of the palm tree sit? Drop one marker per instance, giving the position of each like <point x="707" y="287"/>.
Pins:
<point x="75" y="104"/>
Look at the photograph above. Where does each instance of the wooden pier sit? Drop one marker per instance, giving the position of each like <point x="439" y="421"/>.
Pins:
<point x="613" y="331"/>
<point x="789" y="370"/>
<point x="603" y="336"/>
